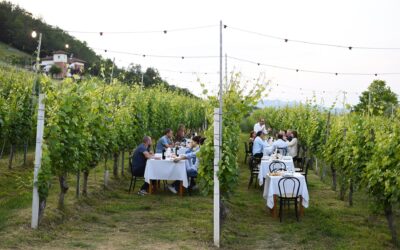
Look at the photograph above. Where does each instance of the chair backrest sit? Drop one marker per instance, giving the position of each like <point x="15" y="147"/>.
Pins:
<point x="277" y="166"/>
<point x="254" y="162"/>
<point x="282" y="151"/>
<point x="289" y="187"/>
<point x="130" y="159"/>
<point x="251" y="147"/>
<point x="246" y="147"/>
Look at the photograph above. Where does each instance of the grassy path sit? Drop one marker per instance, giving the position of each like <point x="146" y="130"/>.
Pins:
<point x="113" y="219"/>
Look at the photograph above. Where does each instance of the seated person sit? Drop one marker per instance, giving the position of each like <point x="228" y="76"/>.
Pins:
<point x="180" y="134"/>
<point x="252" y="136"/>
<point x="191" y="163"/>
<point x="259" y="144"/>
<point x="165" y="141"/>
<point x="280" y="143"/>
<point x="140" y="156"/>
<point x="292" y="144"/>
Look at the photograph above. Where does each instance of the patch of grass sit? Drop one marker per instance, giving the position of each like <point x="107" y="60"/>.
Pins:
<point x="114" y="219"/>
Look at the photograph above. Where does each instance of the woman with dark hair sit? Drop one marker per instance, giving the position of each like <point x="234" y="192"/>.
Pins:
<point x="180" y="134"/>
<point x="292" y="145"/>
<point x="252" y="136"/>
<point x="191" y="163"/>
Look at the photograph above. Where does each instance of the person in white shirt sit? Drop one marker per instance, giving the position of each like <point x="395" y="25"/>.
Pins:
<point x="280" y="144"/>
<point x="292" y="144"/>
<point x="260" y="126"/>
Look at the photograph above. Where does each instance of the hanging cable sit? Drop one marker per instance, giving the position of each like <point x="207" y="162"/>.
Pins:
<point x="310" y="71"/>
<point x="286" y="40"/>
<point x="150" y="55"/>
<point x="164" y="31"/>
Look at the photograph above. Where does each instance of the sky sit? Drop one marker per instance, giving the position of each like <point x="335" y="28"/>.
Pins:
<point x="368" y="23"/>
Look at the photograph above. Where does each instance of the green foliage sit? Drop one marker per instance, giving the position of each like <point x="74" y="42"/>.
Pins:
<point x="236" y="104"/>
<point x="379" y="99"/>
<point x="363" y="149"/>
<point x="55" y="70"/>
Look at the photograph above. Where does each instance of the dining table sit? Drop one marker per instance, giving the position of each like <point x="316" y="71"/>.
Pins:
<point x="271" y="191"/>
<point x="166" y="169"/>
<point x="267" y="160"/>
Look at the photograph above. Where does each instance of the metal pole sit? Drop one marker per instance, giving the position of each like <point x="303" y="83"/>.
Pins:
<point x="38" y="53"/>
<point x="38" y="159"/>
<point x="141" y="87"/>
<point x="226" y="69"/>
<point x="217" y="149"/>
<point x="112" y="70"/>
<point x="369" y="102"/>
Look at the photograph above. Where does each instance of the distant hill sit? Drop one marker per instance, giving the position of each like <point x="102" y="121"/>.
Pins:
<point x="275" y="103"/>
<point x="279" y="104"/>
<point x="14" y="56"/>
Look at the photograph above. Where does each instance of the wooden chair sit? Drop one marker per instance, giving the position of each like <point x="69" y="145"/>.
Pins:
<point x="283" y="151"/>
<point x="277" y="166"/>
<point x="289" y="188"/>
<point x="254" y="170"/>
<point x="134" y="177"/>
<point x="248" y="148"/>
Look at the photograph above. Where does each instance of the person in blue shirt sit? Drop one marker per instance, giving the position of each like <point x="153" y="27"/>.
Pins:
<point x="191" y="163"/>
<point x="259" y="145"/>
<point x="280" y="144"/>
<point x="139" y="159"/>
<point x="165" y="141"/>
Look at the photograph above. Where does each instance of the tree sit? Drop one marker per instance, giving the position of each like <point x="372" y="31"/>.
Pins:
<point x="378" y="99"/>
<point x="55" y="70"/>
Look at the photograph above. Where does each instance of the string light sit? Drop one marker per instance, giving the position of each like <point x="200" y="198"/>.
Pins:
<point x="311" y="71"/>
<point x="151" y="55"/>
<point x="163" y="31"/>
<point x="311" y="43"/>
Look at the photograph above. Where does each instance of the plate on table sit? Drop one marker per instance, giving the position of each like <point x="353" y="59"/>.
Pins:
<point x="287" y="158"/>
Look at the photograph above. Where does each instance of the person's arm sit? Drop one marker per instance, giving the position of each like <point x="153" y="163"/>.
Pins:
<point x="292" y="142"/>
<point x="148" y="155"/>
<point x="166" y="143"/>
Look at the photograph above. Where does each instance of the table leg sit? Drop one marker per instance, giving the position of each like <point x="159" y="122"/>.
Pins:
<point x="301" y="206"/>
<point x="181" y="188"/>
<point x="274" y="210"/>
<point x="150" y="187"/>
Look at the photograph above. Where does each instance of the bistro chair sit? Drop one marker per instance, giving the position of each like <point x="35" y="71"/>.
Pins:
<point x="300" y="159"/>
<point x="289" y="188"/>
<point x="276" y="166"/>
<point x="282" y="151"/>
<point x="134" y="177"/>
<point x="304" y="172"/>
<point x="254" y="165"/>
<point x="248" y="148"/>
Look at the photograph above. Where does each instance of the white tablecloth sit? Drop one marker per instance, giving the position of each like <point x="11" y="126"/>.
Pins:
<point x="271" y="188"/>
<point x="264" y="167"/>
<point x="182" y="150"/>
<point x="166" y="170"/>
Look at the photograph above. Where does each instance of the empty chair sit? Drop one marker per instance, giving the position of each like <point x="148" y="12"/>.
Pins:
<point x="289" y="188"/>
<point x="277" y="166"/>
<point x="254" y="170"/>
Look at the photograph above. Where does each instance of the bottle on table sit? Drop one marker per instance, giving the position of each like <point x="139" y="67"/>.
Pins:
<point x="163" y="154"/>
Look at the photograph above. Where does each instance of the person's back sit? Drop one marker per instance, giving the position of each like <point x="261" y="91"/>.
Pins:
<point x="280" y="143"/>
<point x="292" y="145"/>
<point x="139" y="160"/>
